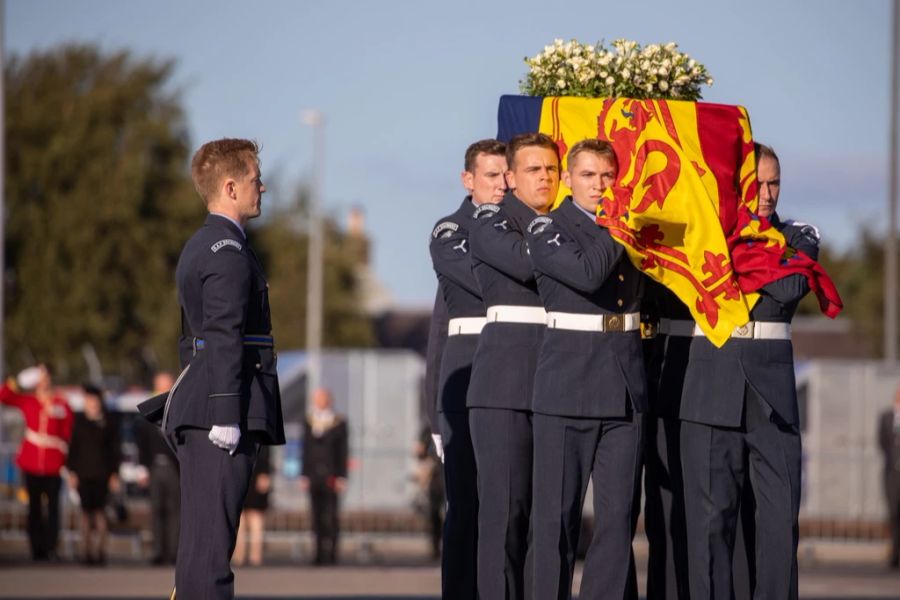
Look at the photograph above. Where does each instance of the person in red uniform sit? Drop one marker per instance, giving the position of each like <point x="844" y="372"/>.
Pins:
<point x="48" y="427"/>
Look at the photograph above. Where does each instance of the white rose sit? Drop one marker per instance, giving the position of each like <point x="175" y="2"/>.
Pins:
<point x="626" y="73"/>
<point x="589" y="49"/>
<point x="663" y="85"/>
<point x="663" y="72"/>
<point x="709" y="81"/>
<point x="561" y="83"/>
<point x="610" y="80"/>
<point x="604" y="74"/>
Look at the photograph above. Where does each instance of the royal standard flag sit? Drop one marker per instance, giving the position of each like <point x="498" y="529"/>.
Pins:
<point x="686" y="183"/>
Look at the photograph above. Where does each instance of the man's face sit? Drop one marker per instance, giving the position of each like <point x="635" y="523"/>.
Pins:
<point x="486" y="180"/>
<point x="321" y="399"/>
<point x="534" y="177"/>
<point x="589" y="176"/>
<point x="768" y="174"/>
<point x="248" y="190"/>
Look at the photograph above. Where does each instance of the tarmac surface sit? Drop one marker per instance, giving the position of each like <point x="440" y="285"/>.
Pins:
<point x="394" y="570"/>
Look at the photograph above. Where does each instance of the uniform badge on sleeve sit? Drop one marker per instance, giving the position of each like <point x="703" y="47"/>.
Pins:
<point x="539" y="225"/>
<point x="226" y="242"/>
<point x="445" y="229"/>
<point x="486" y="211"/>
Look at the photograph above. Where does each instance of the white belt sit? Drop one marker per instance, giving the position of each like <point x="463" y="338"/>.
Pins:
<point x="757" y="330"/>
<point x="466" y="325"/>
<point x="676" y="327"/>
<point x="601" y="323"/>
<point x="505" y="313"/>
<point x="43" y="440"/>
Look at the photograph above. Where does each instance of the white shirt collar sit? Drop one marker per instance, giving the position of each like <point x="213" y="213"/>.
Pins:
<point x="236" y="224"/>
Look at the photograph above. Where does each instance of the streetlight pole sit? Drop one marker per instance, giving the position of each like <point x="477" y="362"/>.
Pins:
<point x="315" y="259"/>
<point x="890" y="247"/>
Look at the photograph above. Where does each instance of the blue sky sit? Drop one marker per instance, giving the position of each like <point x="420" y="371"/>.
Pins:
<point x="406" y="85"/>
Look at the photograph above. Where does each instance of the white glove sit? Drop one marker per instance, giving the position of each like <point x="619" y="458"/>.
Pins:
<point x="438" y="446"/>
<point x="29" y="378"/>
<point x="225" y="437"/>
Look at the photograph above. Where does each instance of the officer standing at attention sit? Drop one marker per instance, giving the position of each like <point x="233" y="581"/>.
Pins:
<point x="226" y="401"/>
<point x="589" y="389"/>
<point x="500" y="389"/>
<point x="739" y="407"/>
<point x="483" y="177"/>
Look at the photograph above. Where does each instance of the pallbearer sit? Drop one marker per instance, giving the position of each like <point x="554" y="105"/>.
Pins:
<point x="589" y="391"/>
<point x="739" y="414"/>
<point x="500" y="389"/>
<point x="483" y="178"/>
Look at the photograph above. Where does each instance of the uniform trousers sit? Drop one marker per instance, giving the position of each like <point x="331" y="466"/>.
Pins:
<point x="323" y="499"/>
<point x="569" y="452"/>
<point x="165" y="504"/>
<point x="667" y="569"/>
<point x="460" y="540"/>
<point x="714" y="461"/>
<point x="214" y="484"/>
<point x="502" y="440"/>
<point x="43" y="514"/>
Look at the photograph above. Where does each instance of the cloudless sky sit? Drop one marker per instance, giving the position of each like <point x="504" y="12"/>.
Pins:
<point x="405" y="86"/>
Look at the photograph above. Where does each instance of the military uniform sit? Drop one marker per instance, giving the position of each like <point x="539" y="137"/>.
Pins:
<point x="450" y="255"/>
<point x="739" y="412"/>
<point x="589" y="393"/>
<point x="229" y="377"/>
<point x="666" y="356"/>
<point x="499" y="396"/>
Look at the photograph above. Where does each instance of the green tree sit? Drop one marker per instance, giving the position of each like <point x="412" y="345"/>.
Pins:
<point x="283" y="248"/>
<point x="99" y="203"/>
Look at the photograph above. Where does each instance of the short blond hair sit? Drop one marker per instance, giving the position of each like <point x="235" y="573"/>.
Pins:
<point x="216" y="160"/>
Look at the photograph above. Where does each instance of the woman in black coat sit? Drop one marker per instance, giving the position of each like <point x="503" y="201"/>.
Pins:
<point x="93" y="464"/>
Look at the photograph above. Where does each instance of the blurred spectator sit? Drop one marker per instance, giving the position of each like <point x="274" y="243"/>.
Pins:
<point x="160" y="475"/>
<point x="889" y="440"/>
<point x="430" y="480"/>
<point x="94" y="458"/>
<point x="324" y="472"/>
<point x="253" y="517"/>
<point x="48" y="427"/>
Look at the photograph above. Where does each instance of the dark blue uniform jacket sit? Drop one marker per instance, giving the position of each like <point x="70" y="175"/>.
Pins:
<point x="504" y="364"/>
<point x="715" y="379"/>
<point x="581" y="269"/>
<point x="224" y="297"/>
<point x="451" y="257"/>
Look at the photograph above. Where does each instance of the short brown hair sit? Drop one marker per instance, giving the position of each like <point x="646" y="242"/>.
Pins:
<point x="228" y="157"/>
<point x="763" y="150"/>
<point x="525" y="140"/>
<point x="594" y="146"/>
<point x="489" y="147"/>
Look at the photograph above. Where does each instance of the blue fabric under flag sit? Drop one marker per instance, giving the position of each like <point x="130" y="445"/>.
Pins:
<point x="518" y="114"/>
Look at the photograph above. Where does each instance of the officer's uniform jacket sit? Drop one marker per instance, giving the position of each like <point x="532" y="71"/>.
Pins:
<point x="581" y="269"/>
<point x="224" y="302"/>
<point x="451" y="258"/>
<point x="506" y="357"/>
<point x="715" y="379"/>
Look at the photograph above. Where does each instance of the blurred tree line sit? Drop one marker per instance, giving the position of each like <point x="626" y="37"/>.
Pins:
<point x="99" y="202"/>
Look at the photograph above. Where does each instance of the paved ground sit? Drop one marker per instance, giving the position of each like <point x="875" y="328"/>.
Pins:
<point x="828" y="570"/>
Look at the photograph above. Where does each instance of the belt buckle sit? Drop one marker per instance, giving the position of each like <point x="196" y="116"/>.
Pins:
<point x="613" y="323"/>
<point x="744" y="332"/>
